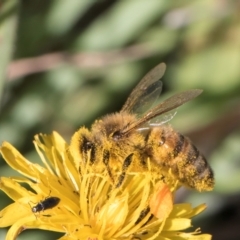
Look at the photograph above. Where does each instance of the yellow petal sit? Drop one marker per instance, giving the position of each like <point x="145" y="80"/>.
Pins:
<point x="188" y="236"/>
<point x="7" y="218"/>
<point x="54" y="139"/>
<point x="16" y="161"/>
<point x="12" y="188"/>
<point x="112" y="215"/>
<point x="53" y="146"/>
<point x="16" y="229"/>
<point x="80" y="233"/>
<point x="180" y="210"/>
<point x="28" y="223"/>
<point x="196" y="237"/>
<point x="195" y="211"/>
<point x="177" y="224"/>
<point x="71" y="173"/>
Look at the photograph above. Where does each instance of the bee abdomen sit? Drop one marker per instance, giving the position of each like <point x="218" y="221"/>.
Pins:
<point x="178" y="145"/>
<point x="171" y="150"/>
<point x="204" y="177"/>
<point x="193" y="168"/>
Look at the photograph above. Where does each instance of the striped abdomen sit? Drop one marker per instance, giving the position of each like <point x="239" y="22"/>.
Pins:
<point x="170" y="149"/>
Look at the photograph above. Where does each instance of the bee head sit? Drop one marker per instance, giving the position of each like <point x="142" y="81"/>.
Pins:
<point x="112" y="126"/>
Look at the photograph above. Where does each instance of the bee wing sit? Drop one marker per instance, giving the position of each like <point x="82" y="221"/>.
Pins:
<point x="146" y="92"/>
<point x="164" y="107"/>
<point x="162" y="118"/>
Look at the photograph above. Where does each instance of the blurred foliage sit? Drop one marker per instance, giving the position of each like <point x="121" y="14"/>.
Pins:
<point x="8" y="22"/>
<point x="77" y="60"/>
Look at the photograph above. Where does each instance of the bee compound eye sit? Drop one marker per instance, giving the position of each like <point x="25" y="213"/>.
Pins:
<point x="116" y="135"/>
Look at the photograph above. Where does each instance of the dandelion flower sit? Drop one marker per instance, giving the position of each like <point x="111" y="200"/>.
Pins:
<point x="81" y="202"/>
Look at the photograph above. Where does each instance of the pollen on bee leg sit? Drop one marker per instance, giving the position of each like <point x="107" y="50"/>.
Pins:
<point x="161" y="202"/>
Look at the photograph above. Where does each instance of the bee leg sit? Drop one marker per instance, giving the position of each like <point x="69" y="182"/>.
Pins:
<point x="126" y="164"/>
<point x="143" y="214"/>
<point x="106" y="157"/>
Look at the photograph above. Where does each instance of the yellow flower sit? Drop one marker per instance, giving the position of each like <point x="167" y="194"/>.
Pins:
<point x="82" y="203"/>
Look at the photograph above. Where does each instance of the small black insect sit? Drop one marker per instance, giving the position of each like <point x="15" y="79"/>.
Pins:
<point x="47" y="203"/>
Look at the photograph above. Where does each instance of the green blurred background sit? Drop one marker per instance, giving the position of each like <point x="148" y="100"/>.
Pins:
<point x="65" y="63"/>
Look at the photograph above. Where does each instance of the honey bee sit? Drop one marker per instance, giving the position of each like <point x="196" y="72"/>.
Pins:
<point x="128" y="138"/>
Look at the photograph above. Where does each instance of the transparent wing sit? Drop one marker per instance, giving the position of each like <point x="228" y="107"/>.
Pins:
<point x="162" y="118"/>
<point x="146" y="92"/>
<point x="157" y="121"/>
<point x="163" y="108"/>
